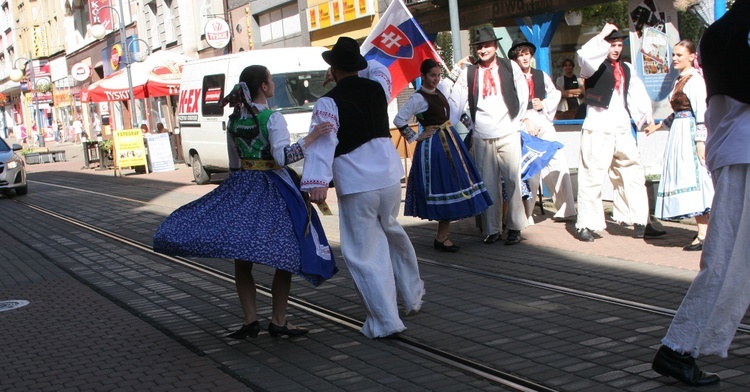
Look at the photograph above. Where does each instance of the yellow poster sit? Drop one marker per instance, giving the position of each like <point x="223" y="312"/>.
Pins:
<point x="324" y="13"/>
<point x="362" y="7"/>
<point x="313" y="18"/>
<point x="129" y="148"/>
<point x="336" y="11"/>
<point x="350" y="11"/>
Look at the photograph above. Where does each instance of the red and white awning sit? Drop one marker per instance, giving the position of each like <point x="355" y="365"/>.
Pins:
<point x="157" y="76"/>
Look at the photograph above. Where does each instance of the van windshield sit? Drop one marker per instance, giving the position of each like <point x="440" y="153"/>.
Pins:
<point x="298" y="91"/>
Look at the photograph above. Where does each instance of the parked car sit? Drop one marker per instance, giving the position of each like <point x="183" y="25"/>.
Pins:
<point x="12" y="169"/>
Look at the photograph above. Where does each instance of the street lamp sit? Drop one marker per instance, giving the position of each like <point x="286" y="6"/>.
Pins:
<point x="16" y="75"/>
<point x="98" y="31"/>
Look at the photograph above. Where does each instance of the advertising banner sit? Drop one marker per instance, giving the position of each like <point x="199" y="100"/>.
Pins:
<point x="129" y="148"/>
<point x="160" y="152"/>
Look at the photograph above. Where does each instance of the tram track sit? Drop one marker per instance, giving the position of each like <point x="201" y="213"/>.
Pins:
<point x="436" y="354"/>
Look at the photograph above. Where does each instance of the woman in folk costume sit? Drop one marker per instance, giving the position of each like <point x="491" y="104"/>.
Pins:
<point x="444" y="184"/>
<point x="685" y="188"/>
<point x="258" y="214"/>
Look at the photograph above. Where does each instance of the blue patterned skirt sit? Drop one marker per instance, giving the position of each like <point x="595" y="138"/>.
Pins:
<point x="256" y="216"/>
<point x="444" y="184"/>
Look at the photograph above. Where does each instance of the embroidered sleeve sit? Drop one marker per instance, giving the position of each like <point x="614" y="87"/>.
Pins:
<point x="415" y="104"/>
<point x="319" y="156"/>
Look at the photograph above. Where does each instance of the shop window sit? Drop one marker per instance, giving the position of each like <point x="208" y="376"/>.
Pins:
<point x="279" y="23"/>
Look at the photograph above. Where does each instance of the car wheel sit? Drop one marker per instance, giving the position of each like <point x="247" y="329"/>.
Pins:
<point x="199" y="173"/>
<point x="22" y="191"/>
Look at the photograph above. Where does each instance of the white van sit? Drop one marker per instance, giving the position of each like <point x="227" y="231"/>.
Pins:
<point x="298" y="74"/>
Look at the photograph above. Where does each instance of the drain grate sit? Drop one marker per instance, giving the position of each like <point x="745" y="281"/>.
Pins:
<point x="12" y="304"/>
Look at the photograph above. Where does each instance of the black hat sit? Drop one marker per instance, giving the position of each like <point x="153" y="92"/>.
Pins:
<point x="522" y="41"/>
<point x="484" y="34"/>
<point x="617" y="34"/>
<point x="345" y="56"/>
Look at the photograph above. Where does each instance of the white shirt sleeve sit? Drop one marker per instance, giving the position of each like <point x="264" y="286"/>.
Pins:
<point x="459" y="96"/>
<point x="278" y="136"/>
<point x="639" y="102"/>
<point x="318" y="168"/>
<point x="553" y="98"/>
<point x="378" y="72"/>
<point x="592" y="54"/>
<point x="416" y="104"/>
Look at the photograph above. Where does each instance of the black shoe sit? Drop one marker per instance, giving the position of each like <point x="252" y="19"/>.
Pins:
<point x="492" y="238"/>
<point x="514" y="237"/>
<point x="445" y="248"/>
<point x="274" y="330"/>
<point x="246" y="330"/>
<point x="641" y="231"/>
<point x="585" y="235"/>
<point x="694" y="247"/>
<point x="669" y="363"/>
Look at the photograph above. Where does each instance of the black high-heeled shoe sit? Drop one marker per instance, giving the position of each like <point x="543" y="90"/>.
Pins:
<point x="246" y="330"/>
<point x="445" y="248"/>
<point x="274" y="330"/>
<point x="691" y="247"/>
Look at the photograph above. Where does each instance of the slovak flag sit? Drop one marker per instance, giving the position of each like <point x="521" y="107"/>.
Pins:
<point x="399" y="43"/>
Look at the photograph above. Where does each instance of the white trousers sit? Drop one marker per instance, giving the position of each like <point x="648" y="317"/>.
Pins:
<point x="380" y="258"/>
<point x="616" y="153"/>
<point x="495" y="158"/>
<point x="718" y="298"/>
<point x="556" y="178"/>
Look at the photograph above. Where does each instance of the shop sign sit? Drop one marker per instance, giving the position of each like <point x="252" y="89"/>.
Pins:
<point x="115" y="56"/>
<point x="337" y="11"/>
<point x="80" y="72"/>
<point x="217" y="33"/>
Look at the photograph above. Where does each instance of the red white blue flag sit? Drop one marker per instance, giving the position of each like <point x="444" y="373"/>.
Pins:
<point x="399" y="43"/>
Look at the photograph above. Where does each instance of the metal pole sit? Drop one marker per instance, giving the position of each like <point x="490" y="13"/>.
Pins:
<point x="36" y="104"/>
<point x="126" y="51"/>
<point x="455" y="30"/>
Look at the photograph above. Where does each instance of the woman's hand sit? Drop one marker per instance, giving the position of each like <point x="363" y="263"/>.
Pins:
<point x="319" y="130"/>
<point x="427" y="133"/>
<point x="653" y="127"/>
<point x="531" y="128"/>
<point x="700" y="148"/>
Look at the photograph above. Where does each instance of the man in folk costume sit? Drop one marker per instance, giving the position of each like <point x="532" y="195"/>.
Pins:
<point x="543" y="100"/>
<point x="717" y="301"/>
<point x="614" y="95"/>
<point x="496" y="92"/>
<point x="366" y="169"/>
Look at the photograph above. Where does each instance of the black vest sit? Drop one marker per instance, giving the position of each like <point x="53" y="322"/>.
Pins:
<point x="507" y="88"/>
<point x="725" y="54"/>
<point x="437" y="109"/>
<point x="601" y="85"/>
<point x="363" y="112"/>
<point x="539" y="91"/>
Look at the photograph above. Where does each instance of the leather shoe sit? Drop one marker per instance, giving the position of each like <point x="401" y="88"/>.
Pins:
<point x="514" y="237"/>
<point x="693" y="246"/>
<point x="670" y="363"/>
<point x="246" y="330"/>
<point x="445" y="248"/>
<point x="492" y="238"/>
<point x="274" y="330"/>
<point x="585" y="235"/>
<point x="641" y="231"/>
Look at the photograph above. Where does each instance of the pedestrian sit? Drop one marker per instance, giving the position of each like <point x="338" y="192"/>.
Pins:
<point x="443" y="183"/>
<point x="541" y="109"/>
<point x="258" y="214"/>
<point x="496" y="113"/>
<point x="718" y="298"/>
<point x="685" y="188"/>
<point x="614" y="95"/>
<point x="572" y="89"/>
<point x="375" y="247"/>
<point x="78" y="130"/>
<point x="160" y="128"/>
<point x="144" y="129"/>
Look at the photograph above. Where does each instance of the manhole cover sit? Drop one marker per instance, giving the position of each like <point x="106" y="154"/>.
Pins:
<point x="12" y="304"/>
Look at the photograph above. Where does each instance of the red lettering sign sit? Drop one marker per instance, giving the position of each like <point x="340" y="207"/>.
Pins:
<point x="189" y="100"/>
<point x="213" y="95"/>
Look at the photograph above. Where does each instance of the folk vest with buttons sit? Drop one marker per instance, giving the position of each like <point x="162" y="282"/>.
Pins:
<point x="363" y="112"/>
<point x="507" y="88"/>
<point x="539" y="91"/>
<point x="601" y="85"/>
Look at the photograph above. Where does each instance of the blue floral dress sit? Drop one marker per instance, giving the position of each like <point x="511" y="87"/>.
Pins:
<point x="258" y="214"/>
